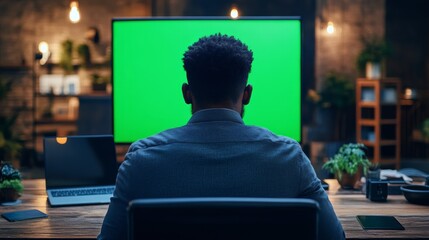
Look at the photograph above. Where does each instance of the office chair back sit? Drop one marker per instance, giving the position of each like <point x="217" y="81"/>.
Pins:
<point x="223" y="218"/>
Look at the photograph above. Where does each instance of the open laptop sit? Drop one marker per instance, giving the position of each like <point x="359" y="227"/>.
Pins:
<point x="80" y="169"/>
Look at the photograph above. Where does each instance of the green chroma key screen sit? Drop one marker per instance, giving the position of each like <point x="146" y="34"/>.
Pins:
<point x="148" y="72"/>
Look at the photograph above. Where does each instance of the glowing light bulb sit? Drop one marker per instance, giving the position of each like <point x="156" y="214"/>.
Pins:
<point x="234" y="13"/>
<point x="74" y="14"/>
<point x="330" y="29"/>
<point x="43" y="47"/>
<point x="61" y="140"/>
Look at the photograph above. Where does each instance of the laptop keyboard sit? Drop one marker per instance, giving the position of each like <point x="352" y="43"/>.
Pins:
<point x="83" y="192"/>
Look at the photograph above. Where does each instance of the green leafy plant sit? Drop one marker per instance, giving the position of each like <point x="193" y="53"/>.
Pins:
<point x="66" y="56"/>
<point x="336" y="97"/>
<point x="14" y="184"/>
<point x="84" y="54"/>
<point x="10" y="144"/>
<point x="374" y="50"/>
<point x="99" y="83"/>
<point x="337" y="92"/>
<point x="425" y="129"/>
<point x="349" y="159"/>
<point x="10" y="178"/>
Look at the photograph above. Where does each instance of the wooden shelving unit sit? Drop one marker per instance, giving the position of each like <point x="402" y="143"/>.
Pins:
<point x="378" y="119"/>
<point x="57" y="113"/>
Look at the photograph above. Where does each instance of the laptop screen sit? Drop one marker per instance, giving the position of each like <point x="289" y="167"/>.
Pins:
<point x="79" y="161"/>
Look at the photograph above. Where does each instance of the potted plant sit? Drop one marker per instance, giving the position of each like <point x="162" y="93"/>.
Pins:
<point x="84" y="54"/>
<point x="10" y="183"/>
<point x="10" y="144"/>
<point x="99" y="83"/>
<point x="425" y="130"/>
<point x="66" y="56"/>
<point x="370" y="58"/>
<point x="334" y="100"/>
<point x="348" y="163"/>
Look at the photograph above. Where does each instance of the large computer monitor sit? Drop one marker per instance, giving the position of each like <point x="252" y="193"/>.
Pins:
<point x="148" y="72"/>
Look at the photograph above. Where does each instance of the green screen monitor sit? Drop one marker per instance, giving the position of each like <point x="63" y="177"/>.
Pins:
<point x="148" y="72"/>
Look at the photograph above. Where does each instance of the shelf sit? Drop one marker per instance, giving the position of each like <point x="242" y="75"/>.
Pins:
<point x="76" y="66"/>
<point x="371" y="82"/>
<point x="382" y="143"/>
<point x="372" y="122"/>
<point x="14" y="68"/>
<point x="64" y="109"/>
<point x="367" y="104"/>
<point x="95" y="94"/>
<point x="55" y="121"/>
<point x="374" y="104"/>
<point x="378" y="118"/>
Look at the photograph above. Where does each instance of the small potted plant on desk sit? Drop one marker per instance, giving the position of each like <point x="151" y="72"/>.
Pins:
<point x="348" y="164"/>
<point x="10" y="183"/>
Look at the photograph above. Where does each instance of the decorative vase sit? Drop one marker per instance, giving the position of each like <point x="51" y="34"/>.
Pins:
<point x="9" y="195"/>
<point x="373" y="70"/>
<point x="348" y="181"/>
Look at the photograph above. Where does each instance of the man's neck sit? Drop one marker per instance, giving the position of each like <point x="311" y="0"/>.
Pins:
<point x="233" y="106"/>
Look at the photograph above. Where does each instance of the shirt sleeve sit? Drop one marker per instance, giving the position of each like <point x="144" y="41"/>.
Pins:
<point x="329" y="225"/>
<point x="115" y="222"/>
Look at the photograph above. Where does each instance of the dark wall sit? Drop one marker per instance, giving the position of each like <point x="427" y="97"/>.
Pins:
<point x="407" y="30"/>
<point x="306" y="9"/>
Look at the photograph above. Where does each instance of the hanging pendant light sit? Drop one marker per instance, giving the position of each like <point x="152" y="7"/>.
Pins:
<point x="234" y="12"/>
<point x="330" y="27"/>
<point x="74" y="14"/>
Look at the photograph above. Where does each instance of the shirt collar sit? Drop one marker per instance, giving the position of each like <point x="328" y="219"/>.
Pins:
<point x="216" y="114"/>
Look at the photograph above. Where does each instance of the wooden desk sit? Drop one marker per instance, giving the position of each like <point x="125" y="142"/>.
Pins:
<point x="84" y="222"/>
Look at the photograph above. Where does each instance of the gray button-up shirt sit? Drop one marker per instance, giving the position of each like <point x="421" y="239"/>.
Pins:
<point x="216" y="155"/>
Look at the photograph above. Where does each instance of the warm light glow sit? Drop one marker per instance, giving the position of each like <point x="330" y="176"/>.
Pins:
<point x="74" y="12"/>
<point x="330" y="28"/>
<point x="43" y="47"/>
<point x="61" y="140"/>
<point x="408" y="91"/>
<point x="234" y="13"/>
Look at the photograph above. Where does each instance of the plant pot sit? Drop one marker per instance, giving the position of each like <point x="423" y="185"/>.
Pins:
<point x="373" y="70"/>
<point x="349" y="181"/>
<point x="99" y="87"/>
<point x="9" y="195"/>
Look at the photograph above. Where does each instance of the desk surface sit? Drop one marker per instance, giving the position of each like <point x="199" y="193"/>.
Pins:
<point x="85" y="221"/>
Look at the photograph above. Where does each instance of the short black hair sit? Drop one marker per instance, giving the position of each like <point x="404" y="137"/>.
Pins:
<point x="217" y="68"/>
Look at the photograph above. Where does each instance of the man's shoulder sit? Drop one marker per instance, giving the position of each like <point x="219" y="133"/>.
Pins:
<point x="243" y="133"/>
<point x="165" y="137"/>
<point x="265" y="134"/>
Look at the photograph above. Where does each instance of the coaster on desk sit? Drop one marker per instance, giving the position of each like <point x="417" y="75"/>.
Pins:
<point x="379" y="223"/>
<point x="14" y="203"/>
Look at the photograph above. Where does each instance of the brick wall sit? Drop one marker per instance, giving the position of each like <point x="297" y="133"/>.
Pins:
<point x="353" y="20"/>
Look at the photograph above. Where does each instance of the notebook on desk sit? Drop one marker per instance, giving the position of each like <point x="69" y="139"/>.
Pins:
<point x="80" y="169"/>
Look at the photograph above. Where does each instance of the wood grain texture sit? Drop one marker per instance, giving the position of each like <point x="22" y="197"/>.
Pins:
<point x="84" y="222"/>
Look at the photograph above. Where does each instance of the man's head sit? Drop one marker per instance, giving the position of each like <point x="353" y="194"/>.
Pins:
<point x="217" y="68"/>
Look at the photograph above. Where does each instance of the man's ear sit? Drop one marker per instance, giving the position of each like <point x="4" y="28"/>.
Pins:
<point x="186" y="92"/>
<point x="247" y="94"/>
